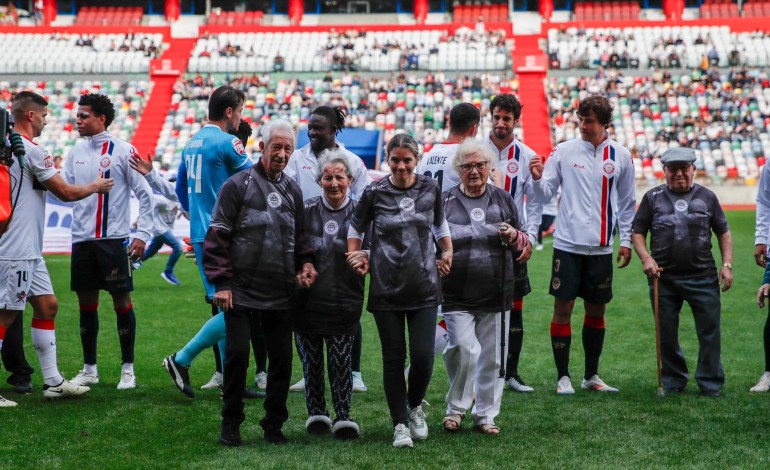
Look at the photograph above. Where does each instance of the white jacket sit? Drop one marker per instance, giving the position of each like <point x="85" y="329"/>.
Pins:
<point x="763" y="207"/>
<point x="513" y="164"/>
<point x="597" y="193"/>
<point x="107" y="216"/>
<point x="303" y="168"/>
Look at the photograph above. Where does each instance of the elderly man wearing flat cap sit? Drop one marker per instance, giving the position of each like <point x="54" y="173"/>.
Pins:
<point x="680" y="216"/>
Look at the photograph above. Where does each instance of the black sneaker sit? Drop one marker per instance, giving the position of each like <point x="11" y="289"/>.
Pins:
<point x="229" y="434"/>
<point x="275" y="436"/>
<point x="180" y="375"/>
<point x="23" y="388"/>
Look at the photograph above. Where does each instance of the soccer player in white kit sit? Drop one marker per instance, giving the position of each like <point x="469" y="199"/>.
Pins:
<point x="100" y="234"/>
<point x="23" y="273"/>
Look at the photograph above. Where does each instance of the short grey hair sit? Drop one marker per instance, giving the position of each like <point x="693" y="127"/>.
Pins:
<point x="278" y="125"/>
<point x="471" y="146"/>
<point x="330" y="157"/>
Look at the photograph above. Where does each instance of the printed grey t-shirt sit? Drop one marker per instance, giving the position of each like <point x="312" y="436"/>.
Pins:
<point x="473" y="283"/>
<point x="680" y="226"/>
<point x="402" y="263"/>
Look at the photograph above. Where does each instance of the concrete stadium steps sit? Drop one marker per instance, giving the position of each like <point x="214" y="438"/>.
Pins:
<point x="535" y="119"/>
<point x="148" y="130"/>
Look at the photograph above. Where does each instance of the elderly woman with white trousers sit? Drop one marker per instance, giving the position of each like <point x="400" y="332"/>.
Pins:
<point x="485" y="233"/>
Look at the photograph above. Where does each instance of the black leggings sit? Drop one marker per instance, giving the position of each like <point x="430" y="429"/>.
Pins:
<point x="421" y="324"/>
<point x="545" y="224"/>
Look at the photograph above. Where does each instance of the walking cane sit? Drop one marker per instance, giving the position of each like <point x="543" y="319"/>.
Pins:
<point x="503" y="308"/>
<point x="655" y="308"/>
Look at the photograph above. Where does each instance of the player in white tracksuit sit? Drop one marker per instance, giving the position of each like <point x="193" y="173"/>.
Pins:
<point x="100" y="233"/>
<point x="596" y="175"/>
<point x="512" y="175"/>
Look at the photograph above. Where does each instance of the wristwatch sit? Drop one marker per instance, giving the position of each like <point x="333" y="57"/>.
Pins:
<point x="728" y="266"/>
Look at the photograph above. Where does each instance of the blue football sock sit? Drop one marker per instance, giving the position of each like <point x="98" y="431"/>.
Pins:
<point x="212" y="332"/>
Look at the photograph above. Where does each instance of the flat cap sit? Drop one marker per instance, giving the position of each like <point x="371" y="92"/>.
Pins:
<point x="678" y="155"/>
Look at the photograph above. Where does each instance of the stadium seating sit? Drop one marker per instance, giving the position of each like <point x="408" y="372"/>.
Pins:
<point x="648" y="45"/>
<point x="25" y="53"/>
<point x="236" y="18"/>
<point x="725" y="118"/>
<point x="255" y="52"/>
<point x="470" y="13"/>
<point x="719" y="9"/>
<point x="413" y="106"/>
<point x="597" y="11"/>
<point x="756" y="8"/>
<point x="60" y="134"/>
<point x="116" y="16"/>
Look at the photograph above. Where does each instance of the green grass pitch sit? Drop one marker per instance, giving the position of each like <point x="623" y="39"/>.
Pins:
<point x="155" y="426"/>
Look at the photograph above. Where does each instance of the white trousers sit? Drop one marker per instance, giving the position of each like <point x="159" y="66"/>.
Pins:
<point x="472" y="358"/>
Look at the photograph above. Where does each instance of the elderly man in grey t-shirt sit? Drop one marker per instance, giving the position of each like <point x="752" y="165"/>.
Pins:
<point x="680" y="217"/>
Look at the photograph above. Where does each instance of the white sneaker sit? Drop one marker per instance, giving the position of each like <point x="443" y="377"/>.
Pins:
<point x="358" y="382"/>
<point x="596" y="384"/>
<point x="401" y="437"/>
<point x="518" y="385"/>
<point x="260" y="380"/>
<point x="64" y="389"/>
<point x="6" y="403"/>
<point x="564" y="386"/>
<point x="418" y="428"/>
<point x="127" y="380"/>
<point x="214" y="382"/>
<point x="299" y="386"/>
<point x="539" y="247"/>
<point x="763" y="385"/>
<point x="84" y="378"/>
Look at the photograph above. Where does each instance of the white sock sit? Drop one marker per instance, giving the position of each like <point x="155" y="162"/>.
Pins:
<point x="127" y="367"/>
<point x="44" y="340"/>
<point x="91" y="369"/>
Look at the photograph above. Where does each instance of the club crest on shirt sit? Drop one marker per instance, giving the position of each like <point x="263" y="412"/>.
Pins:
<point x="681" y="205"/>
<point x="274" y="200"/>
<point x="331" y="227"/>
<point x="238" y="146"/>
<point x="104" y="162"/>
<point x="47" y="161"/>
<point x="477" y="214"/>
<point x="609" y="168"/>
<point x="512" y="168"/>
<point x="406" y="204"/>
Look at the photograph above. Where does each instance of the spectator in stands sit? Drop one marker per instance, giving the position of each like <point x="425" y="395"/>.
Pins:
<point x="278" y="63"/>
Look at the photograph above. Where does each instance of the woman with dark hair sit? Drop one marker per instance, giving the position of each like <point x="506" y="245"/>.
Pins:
<point x="330" y="310"/>
<point x="406" y="215"/>
<point x="323" y="126"/>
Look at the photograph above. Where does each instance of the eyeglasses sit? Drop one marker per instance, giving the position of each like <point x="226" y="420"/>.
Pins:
<point x="82" y="116"/>
<point x="677" y="168"/>
<point x="467" y="167"/>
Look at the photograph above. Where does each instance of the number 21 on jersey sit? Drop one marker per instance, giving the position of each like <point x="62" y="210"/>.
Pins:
<point x="439" y="176"/>
<point x="194" y="163"/>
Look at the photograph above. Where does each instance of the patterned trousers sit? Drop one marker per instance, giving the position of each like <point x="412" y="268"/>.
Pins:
<point x="339" y="349"/>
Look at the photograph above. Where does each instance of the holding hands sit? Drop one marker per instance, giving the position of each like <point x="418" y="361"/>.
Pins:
<point x="359" y="261"/>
